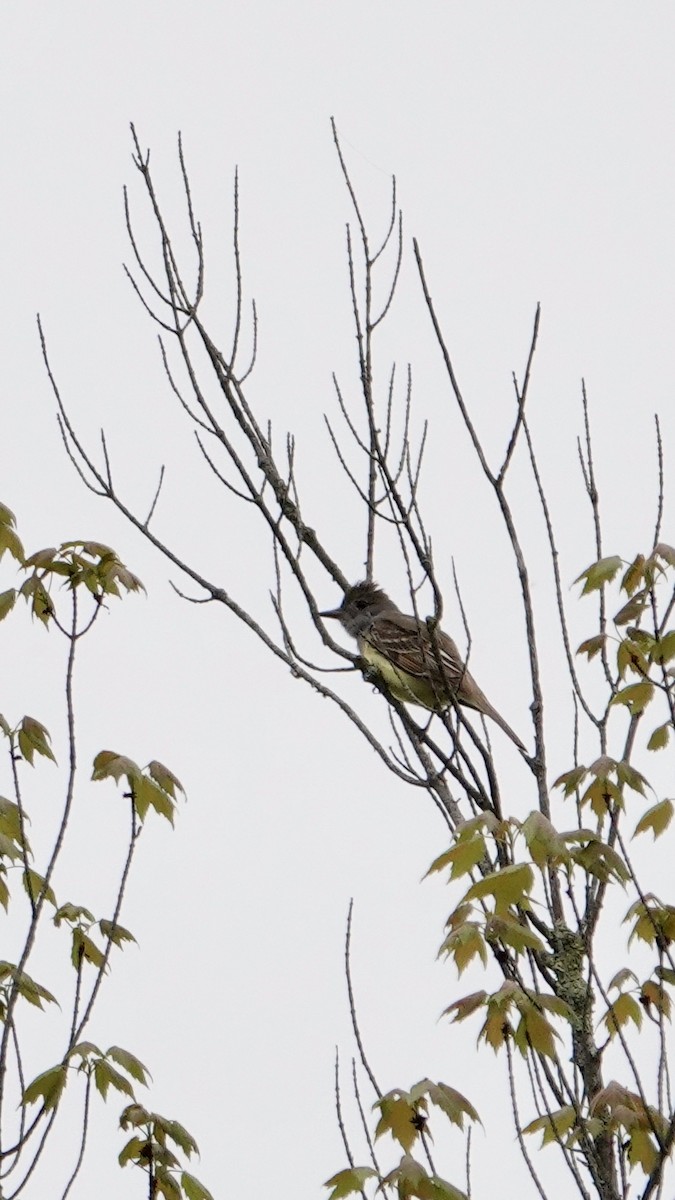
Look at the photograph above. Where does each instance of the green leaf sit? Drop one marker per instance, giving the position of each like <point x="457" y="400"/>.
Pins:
<point x="132" y="1065"/>
<point x="135" y="1115"/>
<point x="85" y="1051"/>
<point x="411" y="1180"/>
<point x="9" y="848"/>
<point x="110" y="765"/>
<point x="179" y="1134"/>
<point x="31" y="991"/>
<point x="553" y="1126"/>
<point x="657" y="819"/>
<point x="624" y="1008"/>
<point x="570" y="781"/>
<point x="461" y="1009"/>
<point x="41" y="558"/>
<point x="165" y="1185"/>
<point x="654" y="922"/>
<point x="73" y="914"/>
<point x="465" y="943"/>
<point x="9" y="539"/>
<point x="10" y="819"/>
<point x="625" y="975"/>
<point x="165" y="778"/>
<point x="636" y="696"/>
<point x="398" y="1116"/>
<point x="510" y="932"/>
<point x="543" y="840"/>
<point x="603" y="861"/>
<point x="33" y="739"/>
<point x="626" y="774"/>
<point x="632" y="609"/>
<point x="653" y="993"/>
<point x="464" y="856"/>
<point x="630" y="657"/>
<point x="451" y="1102"/>
<point x="660" y="737"/>
<point x="599" y="573"/>
<point x="344" y="1183"/>
<point x="7" y="602"/>
<point x="116" y="933"/>
<point x="46" y="1088"/>
<point x="666" y="552"/>
<point x="147" y="794"/>
<point x="634" y="576"/>
<point x="84" y="949"/>
<point x="555" y="1005"/>
<point x="34" y="884"/>
<point x="667" y="974"/>
<point x="194" y="1190"/>
<point x="592" y="645"/>
<point x="600" y="795"/>
<point x="536" y="1033"/>
<point x="662" y="651"/>
<point x="509" y="885"/>
<point x="105" y="1076"/>
<point x="133" y="1151"/>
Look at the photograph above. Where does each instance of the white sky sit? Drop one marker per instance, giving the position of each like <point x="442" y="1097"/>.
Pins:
<point x="533" y="147"/>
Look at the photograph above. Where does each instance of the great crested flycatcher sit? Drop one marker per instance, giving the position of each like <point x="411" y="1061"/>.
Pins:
<point x="417" y="667"/>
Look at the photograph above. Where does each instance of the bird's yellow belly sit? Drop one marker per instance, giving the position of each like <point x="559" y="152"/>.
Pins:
<point x="409" y="688"/>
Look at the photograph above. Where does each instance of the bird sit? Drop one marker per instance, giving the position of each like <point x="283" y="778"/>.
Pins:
<point x="417" y="667"/>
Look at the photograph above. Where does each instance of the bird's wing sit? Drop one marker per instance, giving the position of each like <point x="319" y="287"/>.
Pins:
<point x="406" y="642"/>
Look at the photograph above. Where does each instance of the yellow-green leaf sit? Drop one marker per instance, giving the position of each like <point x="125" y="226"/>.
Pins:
<point x="33" y="739"/>
<point x="7" y="602"/>
<point x="194" y="1190"/>
<point x="599" y="573"/>
<point x="464" y="856"/>
<point x="657" y="819"/>
<point x="630" y="657"/>
<point x="625" y="1008"/>
<point x="351" y="1180"/>
<point x="398" y="1117"/>
<point x="34" y="885"/>
<point x="664" y="649"/>
<point x="461" y="1009"/>
<point x="634" y="575"/>
<point x="601" y="860"/>
<point x="633" y="609"/>
<point x="543" y="840"/>
<point x="570" y="781"/>
<point x="47" y="1087"/>
<point x="535" y="1032"/>
<point x="636" y="696"/>
<point x="553" y="1126"/>
<point x="464" y="944"/>
<point x="510" y="885"/>
<point x="165" y="778"/>
<point x="512" y="933"/>
<point x="455" y="1106"/>
<point x="592" y="645"/>
<point x="666" y="552"/>
<point x="110" y="765"/>
<point x="652" y="993"/>
<point x="660" y="737"/>
<point x="132" y="1065"/>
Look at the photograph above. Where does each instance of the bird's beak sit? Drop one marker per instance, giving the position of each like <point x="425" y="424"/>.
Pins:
<point x="332" y="612"/>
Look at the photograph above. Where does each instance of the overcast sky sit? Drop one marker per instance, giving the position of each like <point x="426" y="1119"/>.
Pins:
<point x="534" y="153"/>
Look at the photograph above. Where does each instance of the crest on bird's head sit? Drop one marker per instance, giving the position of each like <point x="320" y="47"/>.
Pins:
<point x="362" y="600"/>
<point x="366" y="594"/>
